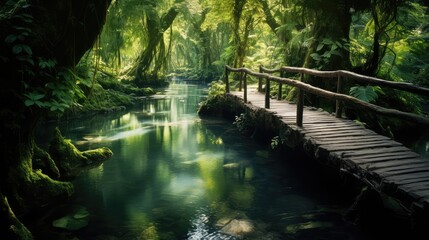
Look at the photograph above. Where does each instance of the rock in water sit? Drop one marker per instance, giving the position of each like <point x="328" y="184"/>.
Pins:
<point x="76" y="219"/>
<point x="238" y="228"/>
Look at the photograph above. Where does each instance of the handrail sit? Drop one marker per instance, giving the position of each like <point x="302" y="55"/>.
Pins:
<point x="409" y="87"/>
<point x="323" y="93"/>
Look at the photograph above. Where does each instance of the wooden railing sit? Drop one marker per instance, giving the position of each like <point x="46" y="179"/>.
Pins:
<point x="338" y="96"/>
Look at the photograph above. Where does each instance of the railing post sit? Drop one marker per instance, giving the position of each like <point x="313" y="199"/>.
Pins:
<point x="260" y="80"/>
<point x="226" y="80"/>
<point x="279" y="93"/>
<point x="245" y="87"/>
<point x="300" y="105"/>
<point x="339" y="105"/>
<point x="240" y="84"/>
<point x="267" y="93"/>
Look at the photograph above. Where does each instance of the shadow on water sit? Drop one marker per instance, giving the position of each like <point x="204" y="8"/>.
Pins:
<point x="175" y="176"/>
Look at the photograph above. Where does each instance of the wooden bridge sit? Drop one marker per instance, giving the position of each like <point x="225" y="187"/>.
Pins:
<point x="384" y="164"/>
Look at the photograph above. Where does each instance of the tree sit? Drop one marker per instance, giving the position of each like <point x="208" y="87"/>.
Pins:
<point x="42" y="40"/>
<point x="155" y="26"/>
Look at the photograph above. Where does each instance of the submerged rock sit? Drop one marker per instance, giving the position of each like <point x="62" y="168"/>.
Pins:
<point x="238" y="227"/>
<point x="76" y="219"/>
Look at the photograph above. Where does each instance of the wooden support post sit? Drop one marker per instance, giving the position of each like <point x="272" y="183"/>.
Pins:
<point x="245" y="87"/>
<point x="339" y="105"/>
<point x="300" y="105"/>
<point x="279" y="93"/>
<point x="240" y="85"/>
<point x="226" y="80"/>
<point x="267" y="93"/>
<point x="260" y="80"/>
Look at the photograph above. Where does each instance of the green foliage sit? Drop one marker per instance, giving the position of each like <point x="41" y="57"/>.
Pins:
<point x="17" y="39"/>
<point x="366" y="93"/>
<point x="275" y="142"/>
<point x="59" y="94"/>
<point x="45" y="86"/>
<point x="328" y="48"/>
<point x="216" y="88"/>
<point x="242" y="122"/>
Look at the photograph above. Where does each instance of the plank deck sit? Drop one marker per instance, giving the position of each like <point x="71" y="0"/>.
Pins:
<point x="356" y="148"/>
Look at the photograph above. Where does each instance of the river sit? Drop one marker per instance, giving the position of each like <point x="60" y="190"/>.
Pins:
<point x="176" y="176"/>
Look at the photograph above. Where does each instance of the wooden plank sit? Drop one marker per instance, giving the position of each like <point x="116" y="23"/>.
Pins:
<point x="334" y="130"/>
<point x="321" y="136"/>
<point x="336" y="123"/>
<point x="383" y="155"/>
<point x="415" y="180"/>
<point x="350" y="147"/>
<point x="335" y="126"/>
<point x="362" y="161"/>
<point x="415" y="166"/>
<point x="421" y="193"/>
<point x="415" y="186"/>
<point x="374" y="151"/>
<point x="336" y="136"/>
<point x="401" y="172"/>
<point x="392" y="163"/>
<point x="400" y="178"/>
<point x="352" y="141"/>
<point x="346" y="142"/>
<point x="370" y="144"/>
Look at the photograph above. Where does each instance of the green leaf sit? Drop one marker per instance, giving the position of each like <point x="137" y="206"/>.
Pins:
<point x="364" y="93"/>
<point x="10" y="39"/>
<point x="40" y="104"/>
<point x="335" y="52"/>
<point x="316" y="56"/>
<point x="30" y="61"/>
<point x="27" y="49"/>
<point x="85" y="81"/>
<point x="338" y="44"/>
<point x="319" y="47"/>
<point x="28" y="102"/>
<point x="34" y="96"/>
<point x="327" y="41"/>
<point x="17" y="49"/>
<point x="326" y="54"/>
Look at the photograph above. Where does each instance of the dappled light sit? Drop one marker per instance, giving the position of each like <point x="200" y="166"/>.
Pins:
<point x="189" y="119"/>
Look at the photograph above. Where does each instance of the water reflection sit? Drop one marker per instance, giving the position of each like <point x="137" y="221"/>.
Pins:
<point x="174" y="176"/>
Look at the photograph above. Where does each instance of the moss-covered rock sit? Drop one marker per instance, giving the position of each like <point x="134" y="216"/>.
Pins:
<point x="69" y="159"/>
<point x="221" y="106"/>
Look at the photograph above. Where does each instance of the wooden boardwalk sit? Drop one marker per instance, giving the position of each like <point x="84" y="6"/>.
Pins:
<point x="384" y="163"/>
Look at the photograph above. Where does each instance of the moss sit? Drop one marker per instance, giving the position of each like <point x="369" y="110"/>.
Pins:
<point x="44" y="188"/>
<point x="65" y="154"/>
<point x="10" y="227"/>
<point x="221" y="106"/>
<point x="69" y="159"/>
<point x="97" y="155"/>
<point x="42" y="160"/>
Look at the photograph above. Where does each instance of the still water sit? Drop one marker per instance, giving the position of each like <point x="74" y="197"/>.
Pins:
<point x="175" y="176"/>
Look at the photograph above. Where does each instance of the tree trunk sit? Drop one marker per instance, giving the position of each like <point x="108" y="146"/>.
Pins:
<point x="331" y="20"/>
<point x="156" y="30"/>
<point x="383" y="14"/>
<point x="59" y="30"/>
